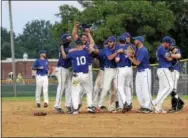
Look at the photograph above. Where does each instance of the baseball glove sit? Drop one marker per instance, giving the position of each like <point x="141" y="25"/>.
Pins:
<point x="39" y="113"/>
<point x="131" y="49"/>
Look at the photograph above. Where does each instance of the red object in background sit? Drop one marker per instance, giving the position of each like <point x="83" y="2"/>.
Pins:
<point x="23" y="67"/>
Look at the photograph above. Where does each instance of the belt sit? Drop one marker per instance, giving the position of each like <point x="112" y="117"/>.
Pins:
<point x="111" y="67"/>
<point x="141" y="70"/>
<point x="123" y="66"/>
<point x="42" y="75"/>
<point x="63" y="67"/>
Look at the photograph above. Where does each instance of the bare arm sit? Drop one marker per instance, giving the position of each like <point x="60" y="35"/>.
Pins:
<point x="134" y="61"/>
<point x="75" y="31"/>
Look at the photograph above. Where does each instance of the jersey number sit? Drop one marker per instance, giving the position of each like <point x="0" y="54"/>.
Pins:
<point x="81" y="60"/>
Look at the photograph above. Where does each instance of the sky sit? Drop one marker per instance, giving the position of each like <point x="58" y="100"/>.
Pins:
<point x="24" y="11"/>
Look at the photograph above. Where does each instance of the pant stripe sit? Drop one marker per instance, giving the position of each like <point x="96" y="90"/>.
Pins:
<point x="149" y="85"/>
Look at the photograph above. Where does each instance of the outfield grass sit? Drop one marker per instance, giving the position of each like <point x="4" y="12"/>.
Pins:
<point x="53" y="98"/>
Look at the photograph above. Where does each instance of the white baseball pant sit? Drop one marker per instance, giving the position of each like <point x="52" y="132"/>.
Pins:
<point x="124" y="82"/>
<point x="64" y="83"/>
<point x="175" y="76"/>
<point x="143" y="88"/>
<point x="81" y="82"/>
<point x="109" y="76"/>
<point x="165" y="86"/>
<point x="98" y="87"/>
<point x="82" y="92"/>
<point x="41" y="84"/>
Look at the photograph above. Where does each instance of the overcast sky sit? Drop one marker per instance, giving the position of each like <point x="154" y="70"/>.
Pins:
<point x="24" y="11"/>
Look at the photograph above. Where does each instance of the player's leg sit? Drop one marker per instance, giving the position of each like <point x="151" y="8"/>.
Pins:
<point x="108" y="77"/>
<point x="139" y="93"/>
<point x="128" y="88"/>
<point x="176" y="102"/>
<point x="61" y="77"/>
<point x="113" y="97"/>
<point x="68" y="101"/>
<point x="45" y="91"/>
<point x="97" y="88"/>
<point x="75" y="90"/>
<point x="165" y="76"/>
<point x="87" y="88"/>
<point x="38" y="90"/>
<point x="146" y="90"/>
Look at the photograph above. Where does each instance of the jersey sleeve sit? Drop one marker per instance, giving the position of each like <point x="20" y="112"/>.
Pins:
<point x="69" y="55"/>
<point x="35" y="65"/>
<point x="107" y="53"/>
<point x="140" y="55"/>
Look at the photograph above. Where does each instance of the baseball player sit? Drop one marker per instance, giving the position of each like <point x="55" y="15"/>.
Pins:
<point x="80" y="79"/>
<point x="124" y="79"/>
<point x="86" y="42"/>
<point x="176" y="101"/>
<point x="99" y="80"/>
<point x="63" y="75"/>
<point x="164" y="73"/>
<point x="143" y="75"/>
<point x="41" y="67"/>
<point x="109" y="69"/>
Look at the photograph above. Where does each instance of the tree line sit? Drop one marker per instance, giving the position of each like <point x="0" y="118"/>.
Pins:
<point x="152" y="18"/>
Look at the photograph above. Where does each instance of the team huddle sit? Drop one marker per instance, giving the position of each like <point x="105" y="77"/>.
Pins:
<point x="115" y="75"/>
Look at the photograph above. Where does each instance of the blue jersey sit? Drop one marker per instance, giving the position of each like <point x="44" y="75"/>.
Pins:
<point x="101" y="58"/>
<point x="90" y="58"/>
<point x="142" y="56"/>
<point x="161" y="57"/>
<point x="176" y="63"/>
<point x="109" y="63"/>
<point x="79" y="60"/>
<point x="124" y="60"/>
<point x="41" y="63"/>
<point x="65" y="63"/>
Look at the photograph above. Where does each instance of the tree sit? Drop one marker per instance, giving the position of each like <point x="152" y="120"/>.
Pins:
<point x="6" y="47"/>
<point x="153" y="20"/>
<point x="36" y="36"/>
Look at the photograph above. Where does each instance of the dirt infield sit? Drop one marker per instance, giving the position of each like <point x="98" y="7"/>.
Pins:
<point x="17" y="120"/>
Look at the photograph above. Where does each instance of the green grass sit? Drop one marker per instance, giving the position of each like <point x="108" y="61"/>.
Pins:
<point x="53" y="98"/>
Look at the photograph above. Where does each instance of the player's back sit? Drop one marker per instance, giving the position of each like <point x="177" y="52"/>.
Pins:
<point x="79" y="60"/>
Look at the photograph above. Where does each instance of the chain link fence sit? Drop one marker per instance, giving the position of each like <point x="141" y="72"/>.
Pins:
<point x="26" y="87"/>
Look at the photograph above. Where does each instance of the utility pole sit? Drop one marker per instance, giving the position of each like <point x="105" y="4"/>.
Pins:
<point x="12" y="48"/>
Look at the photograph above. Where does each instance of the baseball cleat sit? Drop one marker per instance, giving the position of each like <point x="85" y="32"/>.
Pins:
<point x="140" y="110"/>
<point x="59" y="110"/>
<point x="175" y="111"/>
<point x="75" y="113"/>
<point x="146" y="111"/>
<point x="69" y="110"/>
<point x="45" y="105"/>
<point x="160" y="111"/>
<point x="38" y="105"/>
<point x="91" y="110"/>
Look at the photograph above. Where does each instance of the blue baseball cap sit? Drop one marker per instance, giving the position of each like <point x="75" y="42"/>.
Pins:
<point x="167" y="39"/>
<point x="42" y="52"/>
<point x="78" y="41"/>
<point x="127" y="35"/>
<point x="64" y="36"/>
<point x="140" y="38"/>
<point x="112" y="39"/>
<point x="122" y="38"/>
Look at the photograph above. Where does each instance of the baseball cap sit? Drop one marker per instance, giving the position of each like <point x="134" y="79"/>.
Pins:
<point x="126" y="34"/>
<point x="168" y="39"/>
<point x="112" y="39"/>
<point x="140" y="38"/>
<point x="64" y="36"/>
<point x="78" y="41"/>
<point x="122" y="37"/>
<point x="42" y="52"/>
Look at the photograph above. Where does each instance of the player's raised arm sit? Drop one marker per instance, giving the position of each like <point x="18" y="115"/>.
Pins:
<point x="92" y="42"/>
<point x="75" y="31"/>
